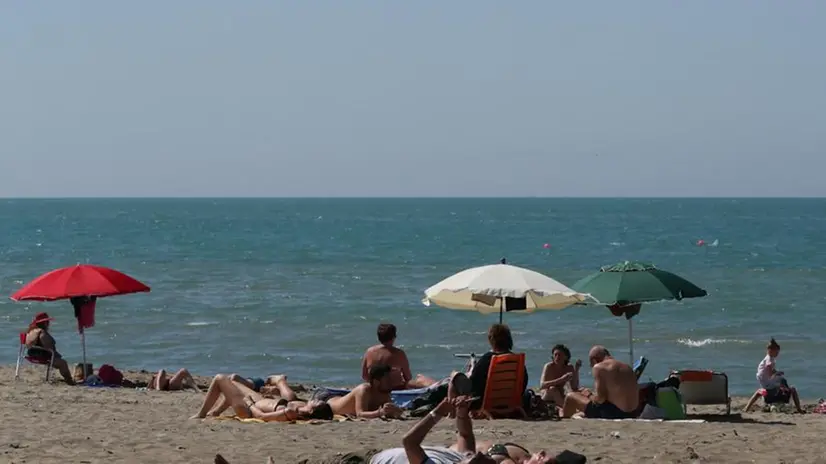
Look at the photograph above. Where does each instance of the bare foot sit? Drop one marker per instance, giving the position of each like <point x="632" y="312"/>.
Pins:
<point x="196" y="416"/>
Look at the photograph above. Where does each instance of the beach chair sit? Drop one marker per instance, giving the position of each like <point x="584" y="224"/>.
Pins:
<point x="639" y="366"/>
<point x="21" y="355"/>
<point x="505" y="387"/>
<point x="703" y="388"/>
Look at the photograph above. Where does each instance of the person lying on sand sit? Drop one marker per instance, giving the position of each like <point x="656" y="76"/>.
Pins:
<point x="386" y="353"/>
<point x="557" y="373"/>
<point x="368" y="400"/>
<point x="39" y="343"/>
<point x="616" y="391"/>
<point x="773" y="381"/>
<point x="248" y="403"/>
<point x="465" y="450"/>
<point x="181" y="380"/>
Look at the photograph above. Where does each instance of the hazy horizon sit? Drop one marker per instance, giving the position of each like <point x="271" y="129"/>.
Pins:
<point x="205" y="99"/>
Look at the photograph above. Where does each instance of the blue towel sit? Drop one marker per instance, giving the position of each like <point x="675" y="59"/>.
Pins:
<point x="401" y="398"/>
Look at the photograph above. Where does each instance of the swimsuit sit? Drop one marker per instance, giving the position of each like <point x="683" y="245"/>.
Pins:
<point x="37" y="352"/>
<point x="324" y="394"/>
<point x="257" y="383"/>
<point x="606" y="410"/>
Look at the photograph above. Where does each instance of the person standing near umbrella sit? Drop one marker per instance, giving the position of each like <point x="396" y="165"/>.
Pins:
<point x="39" y="342"/>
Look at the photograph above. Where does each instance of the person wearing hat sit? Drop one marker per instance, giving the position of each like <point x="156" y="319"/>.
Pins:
<point x="39" y="342"/>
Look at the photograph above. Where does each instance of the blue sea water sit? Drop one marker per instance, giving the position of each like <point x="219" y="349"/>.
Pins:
<point x="297" y="286"/>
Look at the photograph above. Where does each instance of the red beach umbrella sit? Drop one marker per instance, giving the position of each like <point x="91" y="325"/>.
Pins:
<point x="82" y="284"/>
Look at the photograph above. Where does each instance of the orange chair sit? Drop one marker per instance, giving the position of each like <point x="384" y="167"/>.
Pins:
<point x="505" y="387"/>
<point x="20" y="356"/>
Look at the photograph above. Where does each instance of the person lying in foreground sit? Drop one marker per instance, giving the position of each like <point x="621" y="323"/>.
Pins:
<point x="368" y="400"/>
<point x="617" y="393"/>
<point x="465" y="450"/>
<point x="181" y="380"/>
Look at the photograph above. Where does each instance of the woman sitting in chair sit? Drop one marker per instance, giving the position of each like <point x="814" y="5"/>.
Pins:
<point x="41" y="345"/>
<point x="501" y="342"/>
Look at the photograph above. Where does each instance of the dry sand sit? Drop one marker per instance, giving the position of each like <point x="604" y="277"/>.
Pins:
<point x="54" y="423"/>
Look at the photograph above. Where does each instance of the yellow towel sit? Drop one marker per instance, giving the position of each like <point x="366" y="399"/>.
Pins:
<point x="249" y="420"/>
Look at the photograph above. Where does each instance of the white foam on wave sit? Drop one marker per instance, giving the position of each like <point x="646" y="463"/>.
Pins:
<point x="616" y="244"/>
<point x="485" y="332"/>
<point x="200" y="323"/>
<point x="708" y="341"/>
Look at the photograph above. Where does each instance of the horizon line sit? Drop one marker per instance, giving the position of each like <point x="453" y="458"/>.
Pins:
<point x="356" y="197"/>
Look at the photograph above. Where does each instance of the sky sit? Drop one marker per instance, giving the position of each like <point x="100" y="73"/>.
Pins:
<point x="412" y="98"/>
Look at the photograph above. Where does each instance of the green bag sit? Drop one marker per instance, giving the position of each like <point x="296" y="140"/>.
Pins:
<point x="668" y="399"/>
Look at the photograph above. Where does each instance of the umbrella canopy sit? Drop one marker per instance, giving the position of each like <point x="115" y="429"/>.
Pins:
<point x="500" y="288"/>
<point x="636" y="282"/>
<point x="76" y="281"/>
<point x="624" y="286"/>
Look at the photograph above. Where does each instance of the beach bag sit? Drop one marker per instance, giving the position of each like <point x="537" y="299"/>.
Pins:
<point x="669" y="401"/>
<point x="109" y="375"/>
<point x="535" y="408"/>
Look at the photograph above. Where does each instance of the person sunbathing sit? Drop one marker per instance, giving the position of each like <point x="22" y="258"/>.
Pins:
<point x="557" y="373"/>
<point x="181" y="380"/>
<point x="777" y="389"/>
<point x="616" y="393"/>
<point x="465" y="450"/>
<point x="40" y="345"/>
<point x="386" y="353"/>
<point x="368" y="400"/>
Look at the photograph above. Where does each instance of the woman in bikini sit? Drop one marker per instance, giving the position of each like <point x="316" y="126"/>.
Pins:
<point x="181" y="380"/>
<point x="248" y="404"/>
<point x="41" y="345"/>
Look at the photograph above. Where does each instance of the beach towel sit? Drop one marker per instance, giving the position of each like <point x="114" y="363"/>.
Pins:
<point x="401" y="398"/>
<point x="251" y="420"/>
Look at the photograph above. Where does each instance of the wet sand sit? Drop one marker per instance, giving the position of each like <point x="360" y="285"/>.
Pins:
<point x="55" y="423"/>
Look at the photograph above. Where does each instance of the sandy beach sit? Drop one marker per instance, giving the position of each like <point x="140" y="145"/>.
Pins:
<point x="51" y="423"/>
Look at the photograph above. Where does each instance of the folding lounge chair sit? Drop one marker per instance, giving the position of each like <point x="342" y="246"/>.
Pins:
<point x="703" y="388"/>
<point x="42" y="361"/>
<point x="639" y="366"/>
<point x="505" y="386"/>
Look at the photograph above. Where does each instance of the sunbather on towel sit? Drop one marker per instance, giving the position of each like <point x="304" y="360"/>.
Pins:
<point x="181" y="380"/>
<point x="773" y="381"/>
<point x="616" y="393"/>
<point x="386" y="353"/>
<point x="557" y="373"/>
<point x="248" y="403"/>
<point x="266" y="386"/>
<point x="368" y="400"/>
<point x="465" y="450"/>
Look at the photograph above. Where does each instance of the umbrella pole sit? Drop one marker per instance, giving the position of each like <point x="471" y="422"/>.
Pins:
<point x="83" y="344"/>
<point x="501" y="308"/>
<point x="631" y="338"/>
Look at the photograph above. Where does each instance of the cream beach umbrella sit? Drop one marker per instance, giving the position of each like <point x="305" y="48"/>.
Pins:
<point x="501" y="288"/>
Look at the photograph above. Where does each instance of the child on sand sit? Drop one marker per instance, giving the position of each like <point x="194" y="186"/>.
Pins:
<point x="773" y="385"/>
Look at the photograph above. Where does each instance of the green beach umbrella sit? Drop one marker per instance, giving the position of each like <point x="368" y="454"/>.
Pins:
<point x="624" y="286"/>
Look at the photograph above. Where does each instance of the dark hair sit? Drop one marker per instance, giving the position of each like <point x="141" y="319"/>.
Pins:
<point x="386" y="333"/>
<point x="378" y="371"/>
<point x="499" y="337"/>
<point x="322" y="411"/>
<point x="564" y="349"/>
<point x="772" y="345"/>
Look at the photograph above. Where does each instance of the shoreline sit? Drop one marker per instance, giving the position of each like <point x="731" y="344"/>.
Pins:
<point x="105" y="425"/>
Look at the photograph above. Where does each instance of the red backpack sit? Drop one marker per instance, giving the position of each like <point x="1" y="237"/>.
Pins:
<point x="109" y="375"/>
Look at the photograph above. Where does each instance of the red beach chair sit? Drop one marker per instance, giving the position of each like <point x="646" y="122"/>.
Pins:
<point x="505" y="385"/>
<point x="42" y="361"/>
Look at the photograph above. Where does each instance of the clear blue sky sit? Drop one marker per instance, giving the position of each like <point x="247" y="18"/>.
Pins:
<point x="412" y="98"/>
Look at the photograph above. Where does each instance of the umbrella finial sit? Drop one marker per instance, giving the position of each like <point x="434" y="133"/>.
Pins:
<point x="503" y="261"/>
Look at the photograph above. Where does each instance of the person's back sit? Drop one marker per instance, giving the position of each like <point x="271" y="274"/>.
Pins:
<point x="386" y="354"/>
<point x="620" y="384"/>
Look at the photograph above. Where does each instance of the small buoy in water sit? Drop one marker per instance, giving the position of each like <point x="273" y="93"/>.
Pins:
<point x="546" y="246"/>
<point x="701" y="242"/>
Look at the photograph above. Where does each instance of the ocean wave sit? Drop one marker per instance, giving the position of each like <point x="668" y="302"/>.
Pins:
<point x="200" y="323"/>
<point x="708" y="341"/>
<point x="485" y="332"/>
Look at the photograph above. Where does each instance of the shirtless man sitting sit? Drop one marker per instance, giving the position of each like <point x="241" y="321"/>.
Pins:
<point x="387" y="354"/>
<point x="616" y="391"/>
<point x="557" y="373"/>
<point x="368" y="400"/>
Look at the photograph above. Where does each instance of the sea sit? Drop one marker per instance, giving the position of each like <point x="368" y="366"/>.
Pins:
<point x="298" y="286"/>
